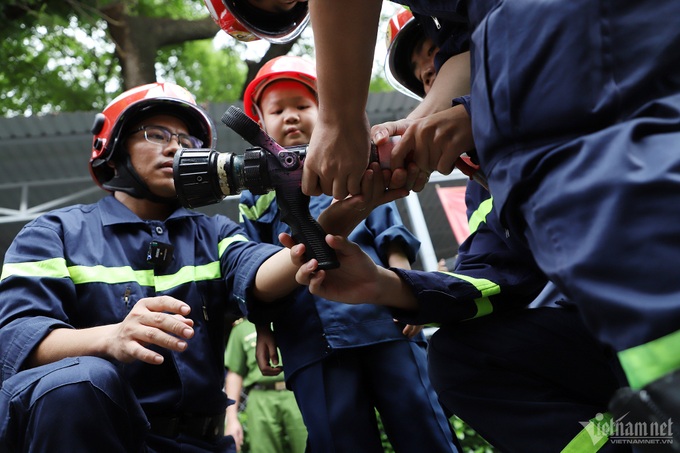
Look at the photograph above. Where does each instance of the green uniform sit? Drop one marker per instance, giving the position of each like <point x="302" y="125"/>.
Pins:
<point x="274" y="422"/>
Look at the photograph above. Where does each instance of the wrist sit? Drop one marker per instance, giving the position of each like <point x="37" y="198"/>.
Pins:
<point x="394" y="292"/>
<point x="343" y="113"/>
<point x="104" y="344"/>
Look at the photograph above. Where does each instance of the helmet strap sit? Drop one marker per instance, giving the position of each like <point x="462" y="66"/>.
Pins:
<point x="127" y="180"/>
<point x="258" y="112"/>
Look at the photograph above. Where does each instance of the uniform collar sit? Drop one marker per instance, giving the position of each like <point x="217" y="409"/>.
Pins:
<point x="113" y="212"/>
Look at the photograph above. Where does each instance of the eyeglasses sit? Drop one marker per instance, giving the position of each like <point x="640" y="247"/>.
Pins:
<point x="162" y="136"/>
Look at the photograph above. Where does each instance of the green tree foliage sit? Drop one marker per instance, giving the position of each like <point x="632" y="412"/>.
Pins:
<point x="212" y="75"/>
<point x="63" y="59"/>
<point x="67" y="55"/>
<point x="379" y="84"/>
<point x="53" y="67"/>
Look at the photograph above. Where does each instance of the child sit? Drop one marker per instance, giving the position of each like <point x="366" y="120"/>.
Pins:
<point x="342" y="362"/>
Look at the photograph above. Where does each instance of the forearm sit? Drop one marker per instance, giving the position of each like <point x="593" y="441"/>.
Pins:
<point x="343" y="93"/>
<point x="62" y="343"/>
<point x="453" y="80"/>
<point x="233" y="387"/>
<point x="275" y="278"/>
<point x="397" y="257"/>
<point x="394" y="292"/>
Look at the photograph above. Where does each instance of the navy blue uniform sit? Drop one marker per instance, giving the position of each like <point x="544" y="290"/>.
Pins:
<point x="576" y="117"/>
<point x="525" y="376"/>
<point x="85" y="266"/>
<point x="344" y="361"/>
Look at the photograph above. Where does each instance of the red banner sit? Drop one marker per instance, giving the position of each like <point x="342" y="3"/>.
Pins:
<point x="453" y="202"/>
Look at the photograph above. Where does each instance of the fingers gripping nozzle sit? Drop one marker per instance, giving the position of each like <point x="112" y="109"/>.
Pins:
<point x="205" y="176"/>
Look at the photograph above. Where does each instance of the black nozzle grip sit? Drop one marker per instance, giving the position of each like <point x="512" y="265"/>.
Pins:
<point x="294" y="207"/>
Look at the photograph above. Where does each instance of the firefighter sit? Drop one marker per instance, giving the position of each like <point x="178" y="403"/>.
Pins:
<point x="112" y="314"/>
<point x="522" y="346"/>
<point x="575" y="111"/>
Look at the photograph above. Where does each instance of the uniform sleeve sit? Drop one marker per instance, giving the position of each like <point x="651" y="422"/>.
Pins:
<point x="490" y="275"/>
<point x="387" y="227"/>
<point x="453" y="39"/>
<point x="259" y="220"/>
<point x="35" y="287"/>
<point x="240" y="259"/>
<point x="464" y="101"/>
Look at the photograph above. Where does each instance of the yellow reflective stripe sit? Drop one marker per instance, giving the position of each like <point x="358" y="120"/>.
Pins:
<point x="210" y="271"/>
<point x="54" y="267"/>
<point x="255" y="212"/>
<point x="110" y="275"/>
<point x="484" y="307"/>
<point x="484" y="286"/>
<point x="592" y="437"/>
<point x="226" y="242"/>
<point x="648" y="362"/>
<point x="480" y="214"/>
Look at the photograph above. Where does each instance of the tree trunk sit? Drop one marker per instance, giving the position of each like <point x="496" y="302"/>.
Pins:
<point x="138" y="40"/>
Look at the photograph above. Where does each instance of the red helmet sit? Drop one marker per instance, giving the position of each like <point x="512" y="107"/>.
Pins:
<point x="403" y="33"/>
<point x="286" y="67"/>
<point x="241" y="20"/>
<point x="110" y="126"/>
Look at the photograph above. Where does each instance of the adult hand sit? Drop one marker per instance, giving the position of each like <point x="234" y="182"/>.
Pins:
<point x="385" y="136"/>
<point x="342" y="216"/>
<point x="430" y="143"/>
<point x="336" y="158"/>
<point x="358" y="280"/>
<point x="266" y="353"/>
<point x="435" y="142"/>
<point x="354" y="282"/>
<point x="159" y="321"/>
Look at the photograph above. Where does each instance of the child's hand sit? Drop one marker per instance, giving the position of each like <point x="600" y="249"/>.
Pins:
<point x="410" y="330"/>
<point x="342" y="216"/>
